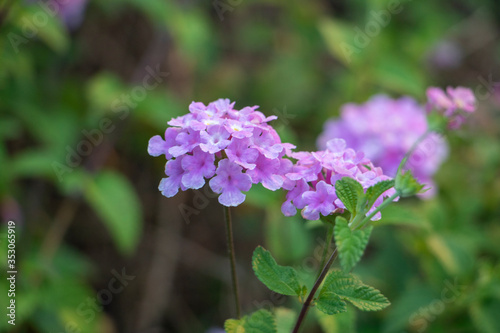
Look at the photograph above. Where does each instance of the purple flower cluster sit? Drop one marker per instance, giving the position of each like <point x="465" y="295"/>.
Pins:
<point x="310" y="181"/>
<point x="385" y="129"/>
<point x="451" y="102"/>
<point x="244" y="147"/>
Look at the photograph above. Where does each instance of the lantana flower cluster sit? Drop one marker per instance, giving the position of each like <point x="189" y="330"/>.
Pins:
<point x="455" y="103"/>
<point x="232" y="148"/>
<point x="311" y="181"/>
<point x="385" y="129"/>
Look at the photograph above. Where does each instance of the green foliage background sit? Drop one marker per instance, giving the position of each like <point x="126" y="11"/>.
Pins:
<point x="82" y="219"/>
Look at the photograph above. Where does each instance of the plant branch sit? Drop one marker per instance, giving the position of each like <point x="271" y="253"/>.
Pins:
<point x="58" y="228"/>
<point x="411" y="151"/>
<point x="307" y="303"/>
<point x="378" y="209"/>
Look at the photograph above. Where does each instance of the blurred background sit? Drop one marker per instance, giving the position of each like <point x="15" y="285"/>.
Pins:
<point x="85" y="84"/>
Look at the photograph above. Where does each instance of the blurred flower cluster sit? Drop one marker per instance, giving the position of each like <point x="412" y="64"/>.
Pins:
<point x="451" y="103"/>
<point x="385" y="129"/>
<point x="244" y="147"/>
<point x="311" y="182"/>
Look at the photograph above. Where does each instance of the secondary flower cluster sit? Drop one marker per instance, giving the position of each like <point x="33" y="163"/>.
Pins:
<point x="451" y="102"/>
<point x="385" y="130"/>
<point x="310" y="182"/>
<point x="244" y="147"/>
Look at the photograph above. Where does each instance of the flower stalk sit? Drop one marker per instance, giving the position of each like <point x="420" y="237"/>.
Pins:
<point x="230" y="249"/>
<point x="312" y="293"/>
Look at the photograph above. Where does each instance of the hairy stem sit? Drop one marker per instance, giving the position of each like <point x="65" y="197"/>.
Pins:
<point x="411" y="151"/>
<point x="230" y="249"/>
<point x="57" y="230"/>
<point x="307" y="303"/>
<point x="378" y="209"/>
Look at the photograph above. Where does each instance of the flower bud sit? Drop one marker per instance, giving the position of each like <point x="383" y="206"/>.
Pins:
<point x="406" y="184"/>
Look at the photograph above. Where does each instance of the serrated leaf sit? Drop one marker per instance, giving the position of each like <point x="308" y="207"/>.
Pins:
<point x="350" y="244"/>
<point x="114" y="199"/>
<point x="407" y="185"/>
<point x="375" y="191"/>
<point x="234" y="326"/>
<point x="365" y="298"/>
<point x="343" y="322"/>
<point x="349" y="288"/>
<point x="349" y="191"/>
<point x="281" y="279"/>
<point x="261" y="321"/>
<point x="330" y="303"/>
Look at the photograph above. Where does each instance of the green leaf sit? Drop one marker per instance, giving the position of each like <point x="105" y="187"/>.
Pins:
<point x="339" y="38"/>
<point x="49" y="29"/>
<point x="343" y="322"/>
<point x="330" y="303"/>
<point x="365" y="298"/>
<point x="349" y="192"/>
<point x="403" y="214"/>
<point x="485" y="316"/>
<point x="398" y="74"/>
<point x="114" y="199"/>
<point x="350" y="244"/>
<point x="102" y="91"/>
<point x="234" y="326"/>
<point x="407" y="185"/>
<point x="349" y="288"/>
<point x="280" y="279"/>
<point x="261" y="321"/>
<point x="375" y="191"/>
<point x="285" y="319"/>
<point x="407" y="309"/>
<point x="281" y="231"/>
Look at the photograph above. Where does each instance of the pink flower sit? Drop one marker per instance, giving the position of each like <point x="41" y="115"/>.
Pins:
<point x="462" y="98"/>
<point x="214" y="139"/>
<point x="170" y="186"/>
<point x="266" y="143"/>
<point x="197" y="167"/>
<point x="230" y="182"/>
<point x="239" y="152"/>
<point x="186" y="142"/>
<point x="311" y="181"/>
<point x="319" y="201"/>
<point x="438" y="99"/>
<point x="157" y="146"/>
<point x="452" y="104"/>
<point x="267" y="172"/>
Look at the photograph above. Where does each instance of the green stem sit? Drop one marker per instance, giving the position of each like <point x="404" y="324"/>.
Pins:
<point x="310" y="297"/>
<point x="328" y="241"/>
<point x="230" y="249"/>
<point x="411" y="151"/>
<point x="378" y="209"/>
<point x="62" y="222"/>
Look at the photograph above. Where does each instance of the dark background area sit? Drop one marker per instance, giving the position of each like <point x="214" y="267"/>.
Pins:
<point x="76" y="116"/>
